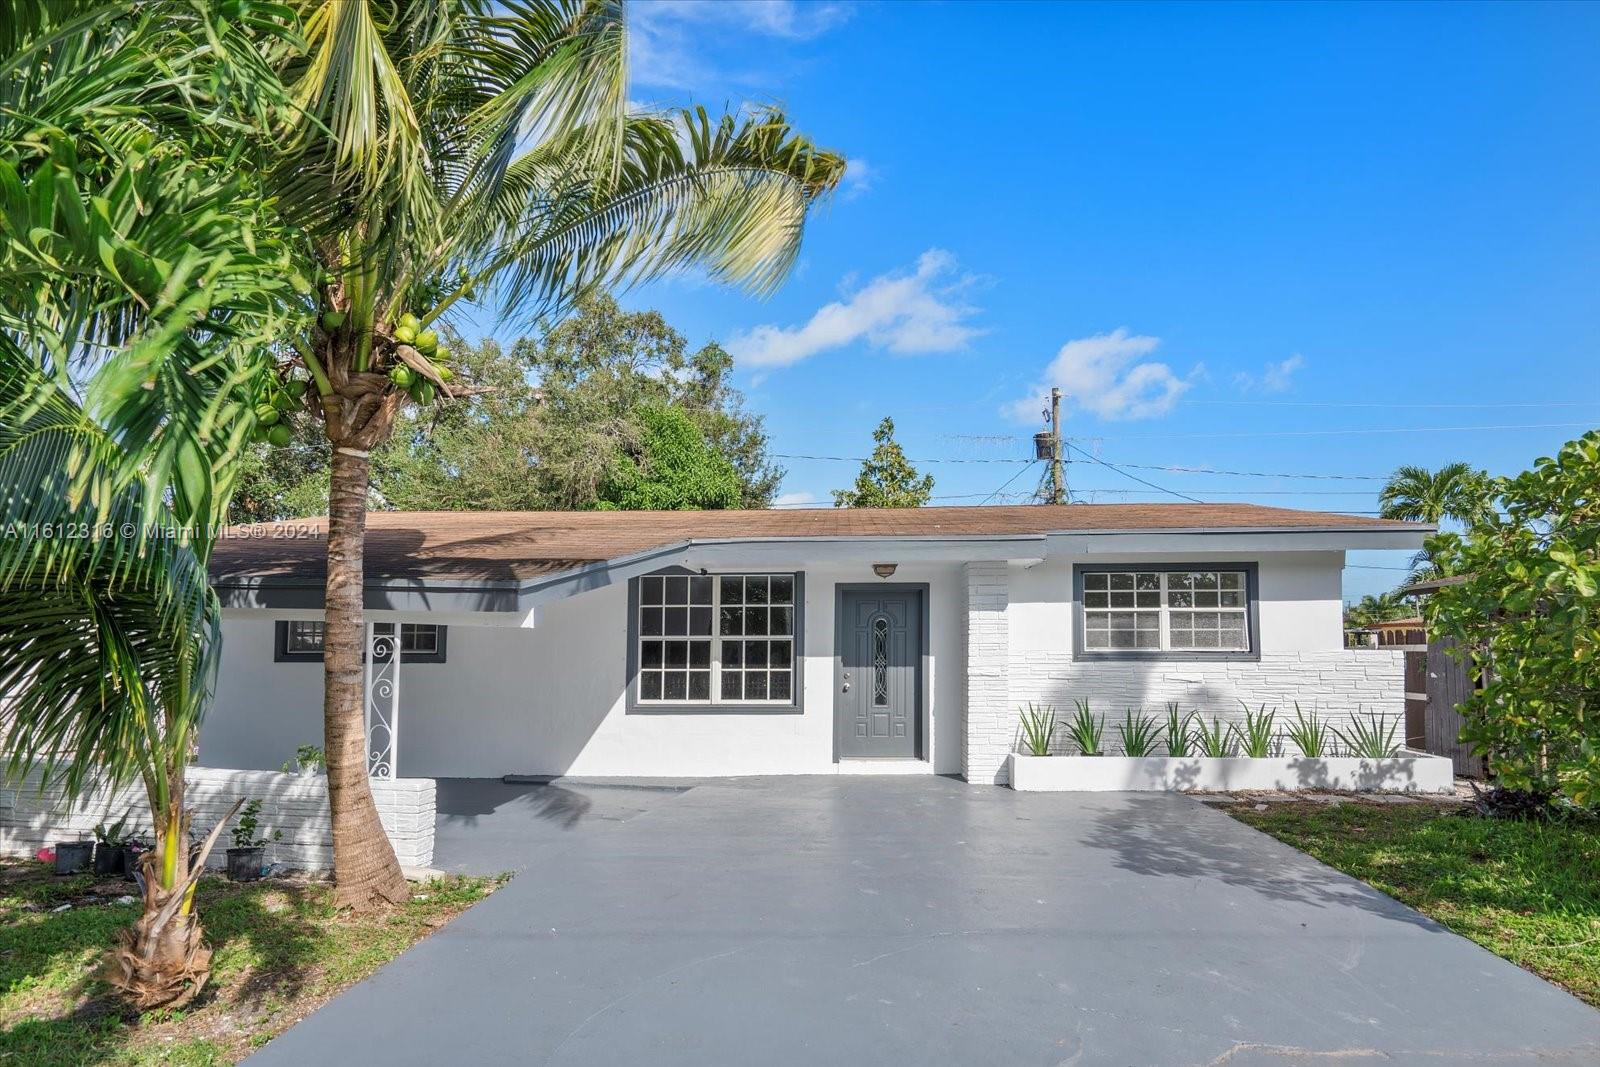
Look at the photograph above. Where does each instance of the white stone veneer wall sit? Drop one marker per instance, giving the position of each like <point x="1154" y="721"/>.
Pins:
<point x="1337" y="684"/>
<point x="296" y="806"/>
<point x="990" y="719"/>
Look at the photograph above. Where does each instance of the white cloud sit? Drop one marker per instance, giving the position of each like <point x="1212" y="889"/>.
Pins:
<point x="1107" y="374"/>
<point x="904" y="313"/>
<point x="858" y="178"/>
<point x="667" y="37"/>
<point x="795" y="500"/>
<point x="1275" y="377"/>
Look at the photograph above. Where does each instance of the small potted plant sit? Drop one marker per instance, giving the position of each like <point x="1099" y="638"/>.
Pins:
<point x="110" y="842"/>
<point x="308" y="762"/>
<point x="132" y="849"/>
<point x="247" y="856"/>
<point x="73" y="857"/>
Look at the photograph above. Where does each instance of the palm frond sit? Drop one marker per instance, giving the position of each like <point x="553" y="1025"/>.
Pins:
<point x="728" y="196"/>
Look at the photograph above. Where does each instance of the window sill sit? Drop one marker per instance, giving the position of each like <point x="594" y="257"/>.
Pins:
<point x="1137" y="656"/>
<point x="714" y="709"/>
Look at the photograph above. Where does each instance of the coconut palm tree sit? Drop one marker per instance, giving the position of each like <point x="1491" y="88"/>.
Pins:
<point x="140" y="275"/>
<point x="1456" y="491"/>
<point x="459" y="150"/>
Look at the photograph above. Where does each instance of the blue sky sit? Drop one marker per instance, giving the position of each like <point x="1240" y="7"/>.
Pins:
<point x="1239" y="237"/>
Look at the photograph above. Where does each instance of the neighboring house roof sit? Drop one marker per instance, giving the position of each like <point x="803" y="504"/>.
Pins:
<point x="522" y="545"/>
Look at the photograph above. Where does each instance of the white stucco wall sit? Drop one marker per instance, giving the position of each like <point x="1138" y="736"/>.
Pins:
<point x="548" y="700"/>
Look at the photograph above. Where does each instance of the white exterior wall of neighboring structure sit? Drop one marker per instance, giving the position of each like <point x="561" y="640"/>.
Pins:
<point x="549" y="700"/>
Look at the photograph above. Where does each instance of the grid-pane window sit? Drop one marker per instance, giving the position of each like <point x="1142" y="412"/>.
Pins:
<point x="1165" y="610"/>
<point x="304" y="638"/>
<point x="716" y="639"/>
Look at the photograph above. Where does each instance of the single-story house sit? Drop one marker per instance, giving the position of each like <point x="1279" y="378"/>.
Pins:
<point x="789" y="641"/>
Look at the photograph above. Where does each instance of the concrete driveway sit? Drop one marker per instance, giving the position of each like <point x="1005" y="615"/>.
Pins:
<point x="917" y="921"/>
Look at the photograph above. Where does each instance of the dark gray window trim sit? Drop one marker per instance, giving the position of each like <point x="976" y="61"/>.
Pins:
<point x="1252" y="586"/>
<point x="280" y="645"/>
<point x="924" y="590"/>
<point x="281" y="653"/>
<point x="795" y="707"/>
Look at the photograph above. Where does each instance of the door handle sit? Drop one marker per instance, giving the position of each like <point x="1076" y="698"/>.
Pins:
<point x="846" y="681"/>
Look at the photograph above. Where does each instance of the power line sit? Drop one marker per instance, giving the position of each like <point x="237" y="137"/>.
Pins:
<point x="1364" y="404"/>
<point x="1256" y="474"/>
<point x="1009" y="480"/>
<point x="1336" y="433"/>
<point x="1135" y="477"/>
<point x="864" y="459"/>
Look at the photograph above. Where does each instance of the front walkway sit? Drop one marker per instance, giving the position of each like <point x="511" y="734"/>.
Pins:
<point x="917" y="921"/>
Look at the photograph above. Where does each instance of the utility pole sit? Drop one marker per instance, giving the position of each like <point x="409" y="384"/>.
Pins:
<point x="1058" y="487"/>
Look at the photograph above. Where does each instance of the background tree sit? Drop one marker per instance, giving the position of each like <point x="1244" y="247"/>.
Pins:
<point x="887" y="478"/>
<point x="1527" y="611"/>
<point x="476" y="453"/>
<point x="142" y="276"/>
<point x="671" y="468"/>
<point x="1378" y="608"/>
<point x="451" y="149"/>
<point x="599" y="368"/>
<point x="1456" y="492"/>
<point x="280" y="483"/>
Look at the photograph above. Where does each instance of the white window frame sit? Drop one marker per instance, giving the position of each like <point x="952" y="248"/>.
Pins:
<point x="638" y="702"/>
<point x="1163" y="609"/>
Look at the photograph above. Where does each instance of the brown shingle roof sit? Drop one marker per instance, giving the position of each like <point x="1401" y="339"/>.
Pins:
<point x="517" y="545"/>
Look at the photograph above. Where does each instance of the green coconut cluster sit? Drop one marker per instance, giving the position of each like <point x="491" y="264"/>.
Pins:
<point x="273" y="408"/>
<point x="408" y="331"/>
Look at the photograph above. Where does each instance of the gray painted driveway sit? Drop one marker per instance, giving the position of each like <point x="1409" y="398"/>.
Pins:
<point x="915" y="921"/>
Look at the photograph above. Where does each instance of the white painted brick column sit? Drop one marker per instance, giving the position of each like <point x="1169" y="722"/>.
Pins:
<point x="988" y="723"/>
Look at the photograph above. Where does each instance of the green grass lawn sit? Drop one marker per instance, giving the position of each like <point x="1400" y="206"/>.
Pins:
<point x="281" y="951"/>
<point x="1527" y="891"/>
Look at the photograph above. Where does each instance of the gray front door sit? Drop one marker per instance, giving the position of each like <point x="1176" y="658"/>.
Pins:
<point x="878" y="691"/>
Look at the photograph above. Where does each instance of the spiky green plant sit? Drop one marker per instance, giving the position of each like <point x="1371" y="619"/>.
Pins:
<point x="1140" y="733"/>
<point x="1372" y="738"/>
<point x="1038" y="726"/>
<point x="1255" y="735"/>
<point x="1215" y="740"/>
<point x="1085" y="730"/>
<point x="143" y="274"/>
<point x="1309" y="734"/>
<point x="1179" y="731"/>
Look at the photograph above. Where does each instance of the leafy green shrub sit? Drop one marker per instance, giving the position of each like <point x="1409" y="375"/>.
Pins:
<point x="1256" y="735"/>
<point x="1309" y="734"/>
<point x="1085" y="730"/>
<point x="1179" y="731"/>
<point x="1526" y="611"/>
<point x="1370" y="739"/>
<point x="1216" y="740"/>
<point x="1038" y="725"/>
<point x="1139" y="733"/>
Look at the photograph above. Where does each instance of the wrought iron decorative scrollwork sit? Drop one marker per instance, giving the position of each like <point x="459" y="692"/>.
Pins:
<point x="382" y="702"/>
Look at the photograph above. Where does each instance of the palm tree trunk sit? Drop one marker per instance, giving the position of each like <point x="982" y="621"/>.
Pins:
<point x="162" y="960"/>
<point x="366" y="872"/>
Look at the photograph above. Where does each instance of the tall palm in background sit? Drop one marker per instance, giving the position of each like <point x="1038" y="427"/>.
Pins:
<point x="140" y="276"/>
<point x="460" y="150"/>
<point x="1456" y="492"/>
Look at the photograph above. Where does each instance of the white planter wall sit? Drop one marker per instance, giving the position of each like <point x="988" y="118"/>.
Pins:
<point x="1409" y="772"/>
<point x="296" y="806"/>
